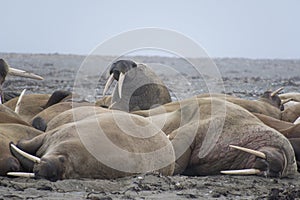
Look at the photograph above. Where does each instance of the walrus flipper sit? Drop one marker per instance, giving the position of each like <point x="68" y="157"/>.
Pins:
<point x="26" y="164"/>
<point x="31" y="146"/>
<point x="39" y="123"/>
<point x="57" y="97"/>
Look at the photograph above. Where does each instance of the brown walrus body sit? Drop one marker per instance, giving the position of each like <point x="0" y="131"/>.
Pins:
<point x="201" y="138"/>
<point x="75" y="114"/>
<point x="139" y="87"/>
<point x="11" y="132"/>
<point x="63" y="154"/>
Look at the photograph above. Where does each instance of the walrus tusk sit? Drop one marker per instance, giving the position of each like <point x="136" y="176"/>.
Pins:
<point x="21" y="174"/>
<point x="276" y="91"/>
<point x="26" y="155"/>
<point x="17" y="109"/>
<point x="110" y="80"/>
<point x="241" y="172"/>
<point x="111" y="105"/>
<point x="297" y="121"/>
<point x="254" y="152"/>
<point x="120" y="84"/>
<point x="18" y="72"/>
<point x="286" y="101"/>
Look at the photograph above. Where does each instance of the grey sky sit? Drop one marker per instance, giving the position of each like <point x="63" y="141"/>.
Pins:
<point x="225" y="28"/>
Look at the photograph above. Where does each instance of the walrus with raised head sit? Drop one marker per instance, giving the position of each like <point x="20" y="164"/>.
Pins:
<point x="138" y="88"/>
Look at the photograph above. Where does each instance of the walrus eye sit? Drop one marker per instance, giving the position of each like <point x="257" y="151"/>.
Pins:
<point x="61" y="159"/>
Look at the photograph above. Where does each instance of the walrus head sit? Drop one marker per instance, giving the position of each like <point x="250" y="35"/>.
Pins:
<point x="117" y="72"/>
<point x="51" y="167"/>
<point x="273" y="98"/>
<point x="269" y="162"/>
<point x="5" y="69"/>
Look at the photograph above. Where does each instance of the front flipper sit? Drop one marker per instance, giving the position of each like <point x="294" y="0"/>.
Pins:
<point x="26" y="160"/>
<point x="29" y="146"/>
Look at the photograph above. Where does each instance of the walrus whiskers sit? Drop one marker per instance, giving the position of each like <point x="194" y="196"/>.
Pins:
<point x="241" y="172"/>
<point x="251" y="151"/>
<point x="276" y="91"/>
<point x="26" y="155"/>
<point x="17" y="109"/>
<point x="120" y="83"/>
<point x="21" y="174"/>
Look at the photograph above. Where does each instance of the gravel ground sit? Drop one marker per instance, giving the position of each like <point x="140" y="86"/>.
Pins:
<point x="245" y="78"/>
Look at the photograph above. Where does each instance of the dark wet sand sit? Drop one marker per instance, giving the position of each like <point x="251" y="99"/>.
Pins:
<point x="242" y="77"/>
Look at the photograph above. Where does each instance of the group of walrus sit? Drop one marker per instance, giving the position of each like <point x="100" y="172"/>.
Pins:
<point x="138" y="129"/>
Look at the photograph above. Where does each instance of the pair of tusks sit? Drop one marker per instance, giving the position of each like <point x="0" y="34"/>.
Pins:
<point x="111" y="80"/>
<point x="276" y="91"/>
<point x="245" y="171"/>
<point x="28" y="156"/>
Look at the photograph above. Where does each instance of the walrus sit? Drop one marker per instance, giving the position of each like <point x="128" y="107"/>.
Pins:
<point x="12" y="132"/>
<point x="9" y="116"/>
<point x="75" y="114"/>
<point x="5" y="69"/>
<point x="268" y="104"/>
<point x="252" y="106"/>
<point x="63" y="155"/>
<point x="291" y="113"/>
<point x="138" y="88"/>
<point x="208" y="143"/>
<point x="41" y="120"/>
<point x="295" y="96"/>
<point x="32" y="104"/>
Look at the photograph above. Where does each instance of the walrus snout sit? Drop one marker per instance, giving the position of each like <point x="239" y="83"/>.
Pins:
<point x="9" y="164"/>
<point x="275" y="164"/>
<point x="50" y="168"/>
<point x="269" y="162"/>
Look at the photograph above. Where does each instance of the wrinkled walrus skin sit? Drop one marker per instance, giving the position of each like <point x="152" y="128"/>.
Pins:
<point x="63" y="155"/>
<point x="240" y="128"/>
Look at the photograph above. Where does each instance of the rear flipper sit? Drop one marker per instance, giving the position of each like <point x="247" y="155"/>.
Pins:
<point x="39" y="123"/>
